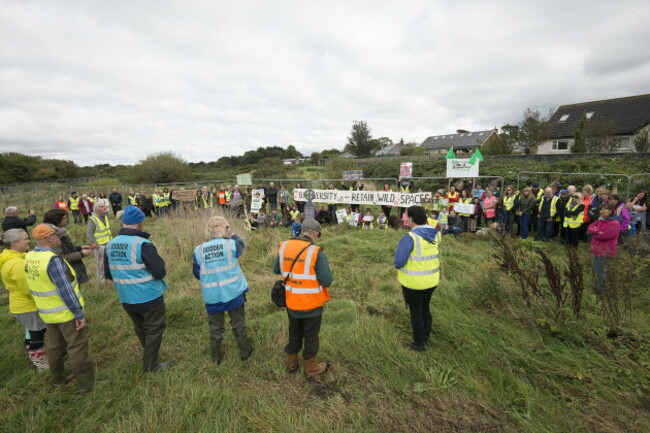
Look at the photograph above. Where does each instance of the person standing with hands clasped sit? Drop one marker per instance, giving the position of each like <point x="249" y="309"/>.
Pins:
<point x="53" y="285"/>
<point x="223" y="285"/>
<point x="418" y="271"/>
<point x="133" y="263"/>
<point x="306" y="291"/>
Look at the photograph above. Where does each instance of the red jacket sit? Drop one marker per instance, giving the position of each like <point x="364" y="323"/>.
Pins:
<point x="604" y="234"/>
<point x="85" y="210"/>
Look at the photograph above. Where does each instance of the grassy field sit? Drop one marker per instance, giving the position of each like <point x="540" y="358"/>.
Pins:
<point x="492" y="365"/>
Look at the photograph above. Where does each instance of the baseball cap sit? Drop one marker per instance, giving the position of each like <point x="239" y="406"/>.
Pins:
<point x="42" y="231"/>
<point x="311" y="224"/>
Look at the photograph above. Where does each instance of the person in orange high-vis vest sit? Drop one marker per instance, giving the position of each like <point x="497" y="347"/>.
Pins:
<point x="306" y="292"/>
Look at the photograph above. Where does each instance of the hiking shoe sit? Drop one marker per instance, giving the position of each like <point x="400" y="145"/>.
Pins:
<point x="160" y="366"/>
<point x="416" y="348"/>
<point x="39" y="360"/>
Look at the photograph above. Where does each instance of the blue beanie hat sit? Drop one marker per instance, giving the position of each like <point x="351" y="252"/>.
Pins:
<point x="132" y="215"/>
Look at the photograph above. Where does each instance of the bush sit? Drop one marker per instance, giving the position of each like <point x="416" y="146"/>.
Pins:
<point x="163" y="167"/>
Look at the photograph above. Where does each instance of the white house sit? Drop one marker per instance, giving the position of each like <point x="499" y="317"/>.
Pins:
<point x="629" y="116"/>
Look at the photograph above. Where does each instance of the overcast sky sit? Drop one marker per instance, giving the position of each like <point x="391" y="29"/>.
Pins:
<point x="113" y="81"/>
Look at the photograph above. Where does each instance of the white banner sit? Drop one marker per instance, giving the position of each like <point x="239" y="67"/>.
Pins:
<point x="467" y="208"/>
<point x="382" y="198"/>
<point x="461" y="168"/>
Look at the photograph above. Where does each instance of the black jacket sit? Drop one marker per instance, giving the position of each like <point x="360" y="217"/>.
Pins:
<point x="115" y="198"/>
<point x="18" y="223"/>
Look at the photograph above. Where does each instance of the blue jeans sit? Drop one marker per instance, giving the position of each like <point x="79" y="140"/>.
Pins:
<point x="545" y="229"/>
<point x="601" y="264"/>
<point x="453" y="231"/>
<point x="523" y="225"/>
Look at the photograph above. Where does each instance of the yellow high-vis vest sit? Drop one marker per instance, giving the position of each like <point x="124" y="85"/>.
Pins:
<point x="422" y="271"/>
<point x="573" y="222"/>
<point x="102" y="231"/>
<point x="74" y="203"/>
<point x="49" y="304"/>
<point x="509" y="202"/>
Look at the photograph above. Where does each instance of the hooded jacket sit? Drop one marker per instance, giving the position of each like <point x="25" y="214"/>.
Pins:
<point x="405" y="245"/>
<point x="12" y="270"/>
<point x="604" y="234"/>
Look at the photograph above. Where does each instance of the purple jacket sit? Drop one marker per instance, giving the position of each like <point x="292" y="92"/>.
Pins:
<point x="623" y="216"/>
<point x="604" y="234"/>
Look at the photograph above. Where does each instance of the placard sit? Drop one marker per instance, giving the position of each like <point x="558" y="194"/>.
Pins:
<point x="467" y="208"/>
<point x="380" y="198"/>
<point x="354" y="218"/>
<point x="244" y="179"/>
<point x="256" y="204"/>
<point x="341" y="216"/>
<point x="437" y="204"/>
<point x="406" y="170"/>
<point x="259" y="192"/>
<point x="462" y="168"/>
<point x="184" y="195"/>
<point x="353" y="175"/>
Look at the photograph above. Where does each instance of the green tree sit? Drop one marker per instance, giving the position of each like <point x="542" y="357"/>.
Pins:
<point x="502" y="144"/>
<point x="580" y="136"/>
<point x="360" y="142"/>
<point x="534" y="129"/>
<point x="600" y="136"/>
<point x="292" y="152"/>
<point x="16" y="167"/>
<point x="411" y="149"/>
<point x="161" y="167"/>
<point x="642" y="141"/>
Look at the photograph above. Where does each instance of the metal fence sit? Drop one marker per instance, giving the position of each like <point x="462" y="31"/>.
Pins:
<point x="611" y="180"/>
<point x="442" y="181"/>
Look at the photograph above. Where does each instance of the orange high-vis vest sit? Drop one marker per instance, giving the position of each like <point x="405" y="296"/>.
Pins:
<point x="222" y="197"/>
<point x="303" y="290"/>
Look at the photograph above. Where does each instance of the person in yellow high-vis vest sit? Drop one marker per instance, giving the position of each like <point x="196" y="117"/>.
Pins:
<point x="99" y="234"/>
<point x="53" y="285"/>
<point x="418" y="271"/>
<point x="510" y="207"/>
<point x="573" y="216"/>
<point x="73" y="205"/>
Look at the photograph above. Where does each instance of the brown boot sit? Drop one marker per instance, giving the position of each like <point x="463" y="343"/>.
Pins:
<point x="292" y="362"/>
<point x="314" y="368"/>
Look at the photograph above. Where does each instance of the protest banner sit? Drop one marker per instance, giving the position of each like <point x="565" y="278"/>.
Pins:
<point x="436" y="204"/>
<point x="184" y="195"/>
<point x="354" y="218"/>
<point x="406" y="170"/>
<point x="341" y="216"/>
<point x="256" y="204"/>
<point x="244" y="179"/>
<point x="353" y="175"/>
<point x="379" y="198"/>
<point x="462" y="168"/>
<point x="259" y="192"/>
<point x="467" y="208"/>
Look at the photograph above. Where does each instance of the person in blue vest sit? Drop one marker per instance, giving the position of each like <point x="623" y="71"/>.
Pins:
<point x="223" y="285"/>
<point x="137" y="270"/>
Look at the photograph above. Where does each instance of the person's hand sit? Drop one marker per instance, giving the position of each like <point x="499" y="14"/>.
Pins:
<point x="549" y="219"/>
<point x="86" y="251"/>
<point x="80" y="324"/>
<point x="539" y="216"/>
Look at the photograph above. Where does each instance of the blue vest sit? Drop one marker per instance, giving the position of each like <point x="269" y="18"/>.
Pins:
<point x="134" y="283"/>
<point x="222" y="279"/>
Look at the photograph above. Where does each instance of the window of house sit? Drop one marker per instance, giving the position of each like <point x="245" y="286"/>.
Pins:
<point x="589" y="115"/>
<point x="560" y="145"/>
<point x="564" y="118"/>
<point x="625" y="143"/>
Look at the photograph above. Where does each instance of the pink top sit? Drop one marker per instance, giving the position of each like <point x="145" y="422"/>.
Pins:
<point x="489" y="206"/>
<point x="604" y="234"/>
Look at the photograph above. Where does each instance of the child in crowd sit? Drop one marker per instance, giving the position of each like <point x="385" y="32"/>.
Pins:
<point x="443" y="219"/>
<point x="367" y="220"/>
<point x="405" y="219"/>
<point x="251" y="222"/>
<point x="382" y="221"/>
<point x="323" y="216"/>
<point x="295" y="213"/>
<point x="274" y="219"/>
<point x="296" y="227"/>
<point x="287" y="216"/>
<point x="473" y="222"/>
<point x="433" y="219"/>
<point x="261" y="219"/>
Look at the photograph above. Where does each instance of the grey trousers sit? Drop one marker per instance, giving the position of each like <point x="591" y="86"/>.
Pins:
<point x="149" y="326"/>
<point x="238" y="323"/>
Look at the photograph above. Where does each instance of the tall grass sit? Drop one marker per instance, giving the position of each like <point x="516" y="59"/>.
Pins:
<point x="489" y="367"/>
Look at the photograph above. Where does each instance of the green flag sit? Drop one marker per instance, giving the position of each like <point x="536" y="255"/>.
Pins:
<point x="450" y="154"/>
<point x="476" y="157"/>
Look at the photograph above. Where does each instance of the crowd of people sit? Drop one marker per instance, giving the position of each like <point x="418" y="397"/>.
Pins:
<point x="44" y="283"/>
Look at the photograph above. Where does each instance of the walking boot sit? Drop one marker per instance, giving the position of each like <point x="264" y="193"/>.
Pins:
<point x="86" y="380"/>
<point x="245" y="348"/>
<point x="291" y="362"/>
<point x="59" y="377"/>
<point x="217" y="354"/>
<point x="314" y="368"/>
<point x="39" y="359"/>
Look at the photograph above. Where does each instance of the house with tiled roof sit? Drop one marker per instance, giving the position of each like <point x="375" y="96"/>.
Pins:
<point x="628" y="116"/>
<point x="391" y="150"/>
<point x="462" y="142"/>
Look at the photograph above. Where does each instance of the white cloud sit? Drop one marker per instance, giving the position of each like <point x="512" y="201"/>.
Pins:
<point x="99" y="81"/>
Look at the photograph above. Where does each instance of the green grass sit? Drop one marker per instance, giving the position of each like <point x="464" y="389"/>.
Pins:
<point x="489" y="367"/>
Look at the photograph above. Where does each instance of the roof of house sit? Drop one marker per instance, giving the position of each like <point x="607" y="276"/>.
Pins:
<point x="391" y="149"/>
<point x="626" y="114"/>
<point x="464" y="140"/>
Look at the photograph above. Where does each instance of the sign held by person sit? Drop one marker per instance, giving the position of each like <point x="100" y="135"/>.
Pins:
<point x="244" y="179"/>
<point x="354" y="218"/>
<point x="341" y="216"/>
<point x="379" y="198"/>
<point x="406" y="170"/>
<point x="467" y="208"/>
<point x="462" y="168"/>
<point x="256" y="203"/>
<point x="184" y="195"/>
<point x="353" y="175"/>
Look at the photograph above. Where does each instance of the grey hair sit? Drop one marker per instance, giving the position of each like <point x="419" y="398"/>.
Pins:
<point x="10" y="210"/>
<point x="10" y="236"/>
